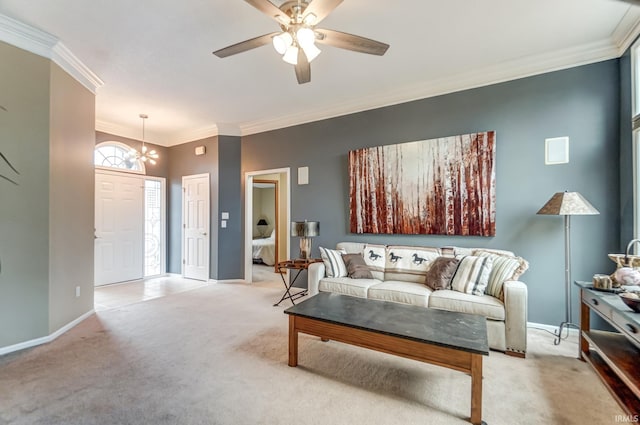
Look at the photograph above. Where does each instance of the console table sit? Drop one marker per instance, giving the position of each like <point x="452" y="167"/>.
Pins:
<point x="614" y="356"/>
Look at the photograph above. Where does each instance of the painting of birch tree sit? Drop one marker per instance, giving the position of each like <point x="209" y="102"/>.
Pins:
<point x="441" y="186"/>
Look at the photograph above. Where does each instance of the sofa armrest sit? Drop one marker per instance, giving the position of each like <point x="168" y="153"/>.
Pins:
<point x="515" y="306"/>
<point x="315" y="272"/>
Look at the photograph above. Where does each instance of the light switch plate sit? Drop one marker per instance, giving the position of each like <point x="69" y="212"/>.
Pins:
<point x="556" y="151"/>
<point x="223" y="224"/>
<point x="225" y="216"/>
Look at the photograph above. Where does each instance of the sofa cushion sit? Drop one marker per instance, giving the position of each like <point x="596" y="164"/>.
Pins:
<point x="350" y="247"/>
<point x="472" y="275"/>
<point x="485" y="305"/>
<point x="356" y="267"/>
<point x="407" y="263"/>
<point x="375" y="257"/>
<point x="505" y="267"/>
<point x="333" y="263"/>
<point x="440" y="273"/>
<point x="401" y="292"/>
<point x="347" y="286"/>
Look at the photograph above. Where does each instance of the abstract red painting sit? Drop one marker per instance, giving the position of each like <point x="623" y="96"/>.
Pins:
<point x="441" y="186"/>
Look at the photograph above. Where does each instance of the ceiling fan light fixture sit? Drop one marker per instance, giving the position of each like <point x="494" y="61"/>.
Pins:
<point x="281" y="42"/>
<point x="291" y="55"/>
<point x="310" y="19"/>
<point x="311" y="52"/>
<point x="306" y="37"/>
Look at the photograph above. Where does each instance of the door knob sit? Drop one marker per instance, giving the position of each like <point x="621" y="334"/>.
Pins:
<point x="204" y="233"/>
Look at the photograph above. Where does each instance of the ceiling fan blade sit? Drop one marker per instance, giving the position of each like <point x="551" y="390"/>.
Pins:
<point x="351" y="42"/>
<point x="303" y="68"/>
<point x="320" y="9"/>
<point x="243" y="46"/>
<point x="271" y="10"/>
<point x="633" y="2"/>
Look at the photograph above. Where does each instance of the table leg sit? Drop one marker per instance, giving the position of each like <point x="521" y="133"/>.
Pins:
<point x="287" y="290"/>
<point x="293" y="342"/>
<point x="476" y="389"/>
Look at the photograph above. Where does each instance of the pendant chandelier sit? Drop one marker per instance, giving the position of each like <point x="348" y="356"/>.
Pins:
<point x="145" y="155"/>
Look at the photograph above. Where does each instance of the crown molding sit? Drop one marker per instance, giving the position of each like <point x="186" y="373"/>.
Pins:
<point x="74" y="67"/>
<point x="627" y="30"/>
<point x="43" y="44"/>
<point x="493" y="74"/>
<point x="131" y="133"/>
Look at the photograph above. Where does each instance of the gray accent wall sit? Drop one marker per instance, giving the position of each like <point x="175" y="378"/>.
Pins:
<point x="582" y="103"/>
<point x="46" y="221"/>
<point x="230" y="241"/>
<point x="184" y="162"/>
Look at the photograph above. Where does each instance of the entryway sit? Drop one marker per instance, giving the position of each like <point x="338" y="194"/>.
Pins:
<point x="279" y="179"/>
<point x="129" y="227"/>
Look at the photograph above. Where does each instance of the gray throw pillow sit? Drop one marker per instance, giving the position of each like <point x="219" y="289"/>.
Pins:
<point x="440" y="273"/>
<point x="356" y="267"/>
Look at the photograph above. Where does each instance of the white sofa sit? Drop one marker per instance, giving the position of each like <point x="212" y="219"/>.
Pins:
<point x="506" y="311"/>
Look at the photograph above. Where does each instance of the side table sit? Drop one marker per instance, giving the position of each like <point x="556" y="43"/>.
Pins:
<point x="298" y="265"/>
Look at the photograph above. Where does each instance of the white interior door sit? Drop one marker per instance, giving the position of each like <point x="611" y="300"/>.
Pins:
<point x="119" y="223"/>
<point x="195" y="226"/>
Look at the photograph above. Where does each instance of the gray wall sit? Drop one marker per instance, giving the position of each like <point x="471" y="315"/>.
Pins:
<point x="626" y="153"/>
<point x="230" y="242"/>
<point x="24" y="209"/>
<point x="46" y="222"/>
<point x="71" y="206"/>
<point x="582" y="103"/>
<point x="184" y="162"/>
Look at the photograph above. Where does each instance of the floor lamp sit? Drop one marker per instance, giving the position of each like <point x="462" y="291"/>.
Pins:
<point x="567" y="204"/>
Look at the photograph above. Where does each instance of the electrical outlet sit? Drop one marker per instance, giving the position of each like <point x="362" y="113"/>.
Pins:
<point x="77" y="291"/>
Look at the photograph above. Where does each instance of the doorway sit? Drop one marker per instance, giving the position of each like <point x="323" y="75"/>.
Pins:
<point x="265" y="235"/>
<point x="130" y="229"/>
<point x="280" y="181"/>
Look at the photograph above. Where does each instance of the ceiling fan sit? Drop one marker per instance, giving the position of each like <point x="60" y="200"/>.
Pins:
<point x="296" y="41"/>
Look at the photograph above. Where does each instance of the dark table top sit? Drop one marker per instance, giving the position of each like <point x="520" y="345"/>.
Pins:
<point x="461" y="331"/>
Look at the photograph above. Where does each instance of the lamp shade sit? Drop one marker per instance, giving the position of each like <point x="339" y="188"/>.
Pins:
<point x="262" y="222"/>
<point x="305" y="229"/>
<point x="568" y="203"/>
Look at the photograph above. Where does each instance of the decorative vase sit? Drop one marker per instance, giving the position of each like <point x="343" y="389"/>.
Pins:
<point x="626" y="276"/>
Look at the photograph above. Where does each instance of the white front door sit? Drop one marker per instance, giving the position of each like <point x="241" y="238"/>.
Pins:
<point x="195" y="227"/>
<point x="119" y="227"/>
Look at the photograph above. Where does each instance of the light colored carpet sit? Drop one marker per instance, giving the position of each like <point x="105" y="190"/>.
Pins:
<point x="218" y="355"/>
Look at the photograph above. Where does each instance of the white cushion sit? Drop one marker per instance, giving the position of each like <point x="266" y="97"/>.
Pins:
<point x="485" y="305"/>
<point x="504" y="268"/>
<point x="347" y="286"/>
<point x="409" y="263"/>
<point x="374" y="257"/>
<point x="401" y="292"/>
<point x="472" y="275"/>
<point x="333" y="262"/>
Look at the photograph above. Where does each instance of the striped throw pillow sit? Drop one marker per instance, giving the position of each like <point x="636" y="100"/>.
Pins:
<point x="333" y="262"/>
<point x="504" y="268"/>
<point x="472" y="275"/>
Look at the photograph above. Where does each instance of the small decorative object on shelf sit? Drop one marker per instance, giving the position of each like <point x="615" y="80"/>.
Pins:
<point x="602" y="281"/>
<point x="632" y="300"/>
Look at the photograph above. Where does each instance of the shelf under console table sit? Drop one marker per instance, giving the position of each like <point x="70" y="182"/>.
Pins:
<point x="614" y="356"/>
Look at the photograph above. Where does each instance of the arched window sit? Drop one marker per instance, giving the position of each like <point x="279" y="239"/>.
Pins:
<point x="113" y="154"/>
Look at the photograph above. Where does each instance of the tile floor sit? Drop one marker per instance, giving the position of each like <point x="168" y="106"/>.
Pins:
<point x="120" y="294"/>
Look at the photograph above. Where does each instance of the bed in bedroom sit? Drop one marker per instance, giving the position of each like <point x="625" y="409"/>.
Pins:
<point x="264" y="250"/>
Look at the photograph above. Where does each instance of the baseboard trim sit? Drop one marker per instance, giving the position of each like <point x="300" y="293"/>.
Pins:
<point x="45" y="339"/>
<point x="227" y="281"/>
<point x="549" y="328"/>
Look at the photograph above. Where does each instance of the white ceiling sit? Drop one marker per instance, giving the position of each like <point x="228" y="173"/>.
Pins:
<point x="154" y="56"/>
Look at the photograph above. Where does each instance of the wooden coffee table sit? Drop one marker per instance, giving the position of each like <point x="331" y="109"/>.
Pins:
<point x="449" y="339"/>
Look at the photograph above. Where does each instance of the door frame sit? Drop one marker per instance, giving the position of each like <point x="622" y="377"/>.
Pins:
<point x="276" y="214"/>
<point x="248" y="215"/>
<point x="208" y="221"/>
